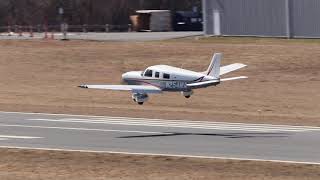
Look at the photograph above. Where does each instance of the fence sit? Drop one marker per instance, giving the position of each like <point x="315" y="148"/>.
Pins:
<point x="71" y="28"/>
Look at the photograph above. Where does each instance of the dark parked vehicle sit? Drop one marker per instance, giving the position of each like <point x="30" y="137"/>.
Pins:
<point x="187" y="21"/>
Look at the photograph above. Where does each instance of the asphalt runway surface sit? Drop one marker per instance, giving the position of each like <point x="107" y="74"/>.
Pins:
<point x="112" y="36"/>
<point x="261" y="142"/>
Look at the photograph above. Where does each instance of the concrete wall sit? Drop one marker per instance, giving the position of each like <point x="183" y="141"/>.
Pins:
<point x="276" y="18"/>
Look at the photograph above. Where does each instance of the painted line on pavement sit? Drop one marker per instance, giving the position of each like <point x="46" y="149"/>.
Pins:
<point x="146" y="119"/>
<point x="178" y="125"/>
<point x="18" y="137"/>
<point x="80" y="129"/>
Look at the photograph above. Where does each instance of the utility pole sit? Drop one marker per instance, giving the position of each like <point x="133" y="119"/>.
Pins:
<point x="63" y="24"/>
<point x="205" y="16"/>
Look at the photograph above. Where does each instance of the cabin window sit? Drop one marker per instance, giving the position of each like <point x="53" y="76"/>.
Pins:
<point x="148" y="73"/>
<point x="166" y="76"/>
<point x="157" y="74"/>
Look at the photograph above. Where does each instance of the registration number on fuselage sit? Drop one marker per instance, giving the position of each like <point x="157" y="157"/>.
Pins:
<point x="174" y="85"/>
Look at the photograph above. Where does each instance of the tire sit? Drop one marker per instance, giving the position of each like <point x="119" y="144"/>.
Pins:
<point x="140" y="103"/>
<point x="187" y="97"/>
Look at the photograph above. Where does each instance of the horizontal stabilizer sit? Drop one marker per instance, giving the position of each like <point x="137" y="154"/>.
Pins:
<point x="230" y="68"/>
<point x="134" y="88"/>
<point x="233" y="78"/>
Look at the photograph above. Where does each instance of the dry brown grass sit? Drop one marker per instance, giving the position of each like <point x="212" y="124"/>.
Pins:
<point x="41" y="76"/>
<point x="29" y="164"/>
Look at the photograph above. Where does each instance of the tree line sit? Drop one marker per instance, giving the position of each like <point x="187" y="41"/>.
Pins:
<point x="117" y="12"/>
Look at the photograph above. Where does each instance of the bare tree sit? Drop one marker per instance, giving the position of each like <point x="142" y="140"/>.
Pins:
<point x="82" y="11"/>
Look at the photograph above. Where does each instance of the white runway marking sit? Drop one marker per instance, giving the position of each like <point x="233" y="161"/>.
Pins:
<point x="184" y="124"/>
<point x="91" y="117"/>
<point x="79" y="129"/>
<point x="18" y="137"/>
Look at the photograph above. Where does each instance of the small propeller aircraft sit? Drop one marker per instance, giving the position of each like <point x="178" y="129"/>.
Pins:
<point x="159" y="78"/>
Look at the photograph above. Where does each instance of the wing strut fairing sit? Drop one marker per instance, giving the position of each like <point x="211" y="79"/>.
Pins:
<point x="212" y="82"/>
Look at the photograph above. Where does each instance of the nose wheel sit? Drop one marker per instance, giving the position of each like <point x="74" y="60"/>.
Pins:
<point x="187" y="97"/>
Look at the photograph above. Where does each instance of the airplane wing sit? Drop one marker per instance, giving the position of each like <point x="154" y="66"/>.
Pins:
<point x="133" y="88"/>
<point x="212" y="82"/>
<point x="231" y="67"/>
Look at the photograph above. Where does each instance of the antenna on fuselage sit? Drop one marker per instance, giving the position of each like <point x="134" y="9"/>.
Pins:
<point x="181" y="67"/>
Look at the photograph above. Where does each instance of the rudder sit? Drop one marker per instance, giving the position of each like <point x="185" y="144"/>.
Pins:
<point x="214" y="67"/>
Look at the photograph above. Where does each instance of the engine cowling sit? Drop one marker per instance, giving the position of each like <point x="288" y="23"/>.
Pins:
<point x="187" y="94"/>
<point x="140" y="98"/>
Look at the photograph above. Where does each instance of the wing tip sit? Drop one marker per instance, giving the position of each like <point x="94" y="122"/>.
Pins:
<point x="241" y="64"/>
<point x="83" y="86"/>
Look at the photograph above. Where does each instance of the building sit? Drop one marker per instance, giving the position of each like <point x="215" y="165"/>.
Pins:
<point x="269" y="18"/>
<point x="152" y="20"/>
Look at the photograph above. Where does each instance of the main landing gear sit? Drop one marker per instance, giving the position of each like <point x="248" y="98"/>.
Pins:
<point x="139" y="98"/>
<point x="187" y="94"/>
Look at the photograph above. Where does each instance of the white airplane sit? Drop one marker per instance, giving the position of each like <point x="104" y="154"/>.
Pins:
<point x="159" y="78"/>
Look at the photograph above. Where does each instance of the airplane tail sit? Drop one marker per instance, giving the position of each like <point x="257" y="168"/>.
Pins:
<point x="214" y="67"/>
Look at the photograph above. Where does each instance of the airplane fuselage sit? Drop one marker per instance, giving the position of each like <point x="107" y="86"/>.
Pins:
<point x="164" y="85"/>
<point x="167" y="81"/>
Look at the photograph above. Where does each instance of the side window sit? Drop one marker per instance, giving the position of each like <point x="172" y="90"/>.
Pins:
<point x="157" y="74"/>
<point x="148" y="73"/>
<point x="166" y="76"/>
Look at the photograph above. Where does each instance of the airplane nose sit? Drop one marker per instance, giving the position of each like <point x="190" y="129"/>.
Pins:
<point x="124" y="76"/>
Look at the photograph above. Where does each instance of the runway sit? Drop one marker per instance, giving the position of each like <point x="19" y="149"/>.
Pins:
<point x="260" y="142"/>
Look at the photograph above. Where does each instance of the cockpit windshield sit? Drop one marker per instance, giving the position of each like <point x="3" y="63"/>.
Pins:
<point x="148" y="73"/>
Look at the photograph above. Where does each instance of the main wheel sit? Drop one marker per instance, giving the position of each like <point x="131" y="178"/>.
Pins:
<point x="187" y="96"/>
<point x="140" y="103"/>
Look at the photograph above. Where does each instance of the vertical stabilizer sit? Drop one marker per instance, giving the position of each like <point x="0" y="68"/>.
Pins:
<point x="214" y="67"/>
